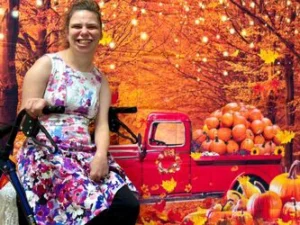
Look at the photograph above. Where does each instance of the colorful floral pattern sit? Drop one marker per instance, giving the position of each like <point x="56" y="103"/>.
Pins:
<point x="57" y="184"/>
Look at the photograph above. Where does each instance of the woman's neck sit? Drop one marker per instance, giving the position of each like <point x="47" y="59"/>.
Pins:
<point x="79" y="62"/>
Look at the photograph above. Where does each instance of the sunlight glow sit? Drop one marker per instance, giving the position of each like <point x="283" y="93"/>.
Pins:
<point x="15" y="13"/>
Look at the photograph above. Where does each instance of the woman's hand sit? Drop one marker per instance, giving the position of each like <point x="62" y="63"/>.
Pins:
<point x="99" y="167"/>
<point x="35" y="106"/>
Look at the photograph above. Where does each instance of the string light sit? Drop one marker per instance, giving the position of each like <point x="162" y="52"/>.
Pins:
<point x="231" y="31"/>
<point x="2" y="11"/>
<point x="225" y="73"/>
<point x="205" y="39"/>
<point x="39" y="3"/>
<point x="144" y="36"/>
<point x="15" y="13"/>
<point x="218" y="36"/>
<point x="134" y="8"/>
<point x="288" y="3"/>
<point x="143" y="11"/>
<point x="224" y="18"/>
<point x="101" y="4"/>
<point x="1" y="36"/>
<point x="252" y="4"/>
<point x="296" y="31"/>
<point x="197" y="21"/>
<point x="204" y="59"/>
<point x="251" y="45"/>
<point x="177" y="65"/>
<point x="112" y="45"/>
<point x="198" y="79"/>
<point x="244" y="33"/>
<point x="134" y="22"/>
<point x="225" y="54"/>
<point x="112" y="66"/>
<point x="251" y="22"/>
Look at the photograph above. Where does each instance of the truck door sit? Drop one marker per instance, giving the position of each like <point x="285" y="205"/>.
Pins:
<point x="166" y="166"/>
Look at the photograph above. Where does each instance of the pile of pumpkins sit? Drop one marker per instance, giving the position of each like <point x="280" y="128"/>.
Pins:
<point x="255" y="205"/>
<point x="236" y="127"/>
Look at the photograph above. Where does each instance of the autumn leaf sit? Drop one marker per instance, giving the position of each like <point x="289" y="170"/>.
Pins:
<point x="169" y="185"/>
<point x="155" y="187"/>
<point x="205" y="128"/>
<point x="106" y="39"/>
<point x="274" y="84"/>
<point x="195" y="155"/>
<point x="160" y="206"/>
<point x="151" y="222"/>
<point x="285" y="136"/>
<point x="268" y="56"/>
<point x="280" y="222"/>
<point x="188" y="188"/>
<point x="258" y="88"/>
<point x="199" y="220"/>
<point x="174" y="216"/>
<point x="236" y="53"/>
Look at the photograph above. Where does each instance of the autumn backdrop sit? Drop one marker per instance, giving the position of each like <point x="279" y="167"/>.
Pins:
<point x="180" y="55"/>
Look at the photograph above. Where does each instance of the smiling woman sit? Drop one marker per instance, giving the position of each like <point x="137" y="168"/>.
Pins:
<point x="82" y="183"/>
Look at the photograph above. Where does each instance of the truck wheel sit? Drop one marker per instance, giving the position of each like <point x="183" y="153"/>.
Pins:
<point x="253" y="179"/>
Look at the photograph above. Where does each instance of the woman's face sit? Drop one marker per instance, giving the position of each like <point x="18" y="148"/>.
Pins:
<point x="84" y="31"/>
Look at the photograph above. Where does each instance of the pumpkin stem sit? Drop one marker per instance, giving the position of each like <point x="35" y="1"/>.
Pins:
<point x="292" y="171"/>
<point x="260" y="186"/>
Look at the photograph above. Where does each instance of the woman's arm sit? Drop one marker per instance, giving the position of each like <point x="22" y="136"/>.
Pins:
<point x="34" y="86"/>
<point x="99" y="165"/>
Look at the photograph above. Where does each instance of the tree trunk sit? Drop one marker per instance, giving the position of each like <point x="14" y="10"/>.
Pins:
<point x="8" y="80"/>
<point x="290" y="108"/>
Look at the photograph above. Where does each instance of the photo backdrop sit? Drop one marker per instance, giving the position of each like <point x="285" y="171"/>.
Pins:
<point x="180" y="55"/>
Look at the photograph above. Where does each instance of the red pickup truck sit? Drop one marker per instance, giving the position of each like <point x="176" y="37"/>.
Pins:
<point x="164" y="154"/>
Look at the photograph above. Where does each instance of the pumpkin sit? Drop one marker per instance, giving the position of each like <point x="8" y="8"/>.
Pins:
<point x="227" y="120"/>
<point x="257" y="126"/>
<point x="255" y="114"/>
<point x="247" y="144"/>
<point x="259" y="139"/>
<point x="269" y="147"/>
<point x="247" y="187"/>
<point x="270" y="132"/>
<point x="212" y="133"/>
<point x="266" y="121"/>
<point x="231" y="107"/>
<point x="205" y="145"/>
<point x="218" y="146"/>
<point x="232" y="147"/>
<point x="218" y="114"/>
<point x="239" y="119"/>
<point x="224" y="133"/>
<point x="266" y="205"/>
<point x="239" y="132"/>
<point x="234" y="217"/>
<point x="287" y="185"/>
<point x="199" y="136"/>
<point x="239" y="200"/>
<point x="291" y="211"/>
<point x="249" y="134"/>
<point x="211" y="122"/>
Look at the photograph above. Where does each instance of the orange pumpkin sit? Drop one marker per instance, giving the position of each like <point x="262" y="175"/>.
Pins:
<point x="259" y="139"/>
<point x="212" y="122"/>
<point x="270" y="132"/>
<point x="255" y="114"/>
<point x="232" y="147"/>
<point x="239" y="132"/>
<point x="224" y="133"/>
<point x="205" y="144"/>
<point x="212" y="133"/>
<point x="266" y="205"/>
<point x="218" y="146"/>
<point x="247" y="144"/>
<point x="287" y="185"/>
<point x="231" y="107"/>
<point x="269" y="147"/>
<point x="291" y="211"/>
<point x="257" y="126"/>
<point x="267" y="121"/>
<point x="239" y="119"/>
<point x="217" y="113"/>
<point x="230" y="217"/>
<point x="199" y="136"/>
<point x="227" y="120"/>
<point x="249" y="134"/>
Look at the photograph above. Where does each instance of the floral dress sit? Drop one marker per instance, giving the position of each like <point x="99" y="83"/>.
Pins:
<point x="57" y="185"/>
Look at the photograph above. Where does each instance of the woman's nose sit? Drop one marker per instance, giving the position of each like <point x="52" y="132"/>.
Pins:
<point x="84" y="30"/>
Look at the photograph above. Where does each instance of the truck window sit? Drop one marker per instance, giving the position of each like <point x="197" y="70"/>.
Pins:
<point x="167" y="133"/>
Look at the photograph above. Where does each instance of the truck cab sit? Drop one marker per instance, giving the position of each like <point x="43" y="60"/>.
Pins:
<point x="160" y="162"/>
